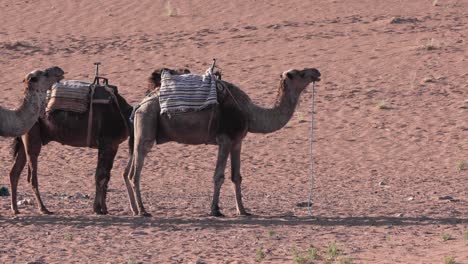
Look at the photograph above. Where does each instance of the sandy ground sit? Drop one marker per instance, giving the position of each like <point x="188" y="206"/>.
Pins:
<point x="391" y="132"/>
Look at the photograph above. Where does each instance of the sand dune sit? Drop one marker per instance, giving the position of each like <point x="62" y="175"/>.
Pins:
<point x="391" y="109"/>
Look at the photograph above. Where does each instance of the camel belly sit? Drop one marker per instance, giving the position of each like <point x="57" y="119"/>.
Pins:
<point x="188" y="128"/>
<point x="71" y="129"/>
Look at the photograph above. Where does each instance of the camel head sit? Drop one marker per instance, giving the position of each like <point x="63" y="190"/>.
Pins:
<point x="41" y="81"/>
<point x="298" y="80"/>
<point x="154" y="80"/>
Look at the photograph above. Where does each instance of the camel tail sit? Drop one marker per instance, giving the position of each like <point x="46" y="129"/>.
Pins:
<point x="16" y="144"/>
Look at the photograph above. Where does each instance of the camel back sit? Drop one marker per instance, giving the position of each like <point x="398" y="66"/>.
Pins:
<point x="77" y="96"/>
<point x="187" y="92"/>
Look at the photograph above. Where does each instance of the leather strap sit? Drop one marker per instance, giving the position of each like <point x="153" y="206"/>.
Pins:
<point x="90" y="116"/>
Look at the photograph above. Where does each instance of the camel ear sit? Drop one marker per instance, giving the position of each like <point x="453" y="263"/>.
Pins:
<point x="30" y="79"/>
<point x="186" y="71"/>
<point x="289" y="75"/>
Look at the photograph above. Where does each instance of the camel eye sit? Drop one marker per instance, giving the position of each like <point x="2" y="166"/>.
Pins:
<point x="33" y="79"/>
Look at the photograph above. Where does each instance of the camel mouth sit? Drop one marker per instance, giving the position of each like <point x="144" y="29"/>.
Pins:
<point x="315" y="75"/>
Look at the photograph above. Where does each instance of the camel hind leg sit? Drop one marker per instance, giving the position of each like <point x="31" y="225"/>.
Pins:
<point x="126" y="175"/>
<point x="237" y="178"/>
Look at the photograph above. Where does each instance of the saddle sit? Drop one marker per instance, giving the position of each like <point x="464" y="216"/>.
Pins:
<point x="78" y="96"/>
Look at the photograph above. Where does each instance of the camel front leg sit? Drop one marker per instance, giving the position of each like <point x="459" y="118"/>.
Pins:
<point x="145" y="126"/>
<point x="236" y="177"/>
<point x="33" y="145"/>
<point x="15" y="173"/>
<point x="106" y="155"/>
<point x="224" y="144"/>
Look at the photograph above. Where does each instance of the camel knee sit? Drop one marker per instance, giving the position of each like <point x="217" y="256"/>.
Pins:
<point x="103" y="183"/>
<point x="219" y="179"/>
<point x="236" y="178"/>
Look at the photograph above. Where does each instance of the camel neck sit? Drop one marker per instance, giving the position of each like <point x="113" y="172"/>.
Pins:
<point x="267" y="120"/>
<point x="19" y="121"/>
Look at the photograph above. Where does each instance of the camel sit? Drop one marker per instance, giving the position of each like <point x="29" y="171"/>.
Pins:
<point x="154" y="81"/>
<point x="225" y="125"/>
<point x="16" y="122"/>
<point x="70" y="128"/>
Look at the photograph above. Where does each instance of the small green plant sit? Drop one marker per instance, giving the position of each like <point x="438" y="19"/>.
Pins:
<point x="381" y="105"/>
<point x="346" y="260"/>
<point x="431" y="45"/>
<point x="271" y="234"/>
<point x="449" y="260"/>
<point x="68" y="237"/>
<point x="298" y="257"/>
<point x="260" y="254"/>
<point x="312" y="254"/>
<point x="332" y="250"/>
<point x="446" y="237"/>
<point x="132" y="261"/>
<point x="465" y="235"/>
<point x="461" y="166"/>
<point x="170" y="11"/>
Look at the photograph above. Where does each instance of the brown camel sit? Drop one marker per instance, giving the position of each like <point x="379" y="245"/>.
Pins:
<point x="16" y="122"/>
<point x="70" y="128"/>
<point x="224" y="125"/>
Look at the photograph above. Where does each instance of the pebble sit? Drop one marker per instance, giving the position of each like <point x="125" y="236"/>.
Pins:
<point x="24" y="202"/>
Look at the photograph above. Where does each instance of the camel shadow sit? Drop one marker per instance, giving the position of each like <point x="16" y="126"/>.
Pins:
<point x="224" y="223"/>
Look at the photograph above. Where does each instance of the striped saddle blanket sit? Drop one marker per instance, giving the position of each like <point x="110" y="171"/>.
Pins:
<point x="187" y="92"/>
<point x="74" y="96"/>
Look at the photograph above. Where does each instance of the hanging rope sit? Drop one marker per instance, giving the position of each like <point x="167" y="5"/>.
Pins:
<point x="310" y="202"/>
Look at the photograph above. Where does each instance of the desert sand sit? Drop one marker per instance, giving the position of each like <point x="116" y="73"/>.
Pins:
<point x="390" y="137"/>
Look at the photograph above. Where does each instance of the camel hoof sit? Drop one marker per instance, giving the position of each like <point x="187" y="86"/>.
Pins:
<point x="216" y="214"/>
<point x="99" y="212"/>
<point x="244" y="214"/>
<point x="16" y="212"/>
<point x="144" y="214"/>
<point x="46" y="212"/>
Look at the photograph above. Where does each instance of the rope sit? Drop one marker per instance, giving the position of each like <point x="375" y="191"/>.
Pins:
<point x="310" y="202"/>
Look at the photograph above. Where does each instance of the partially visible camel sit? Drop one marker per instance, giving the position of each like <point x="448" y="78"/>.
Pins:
<point x="224" y="125"/>
<point x="14" y="123"/>
<point x="154" y="80"/>
<point x="70" y="128"/>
